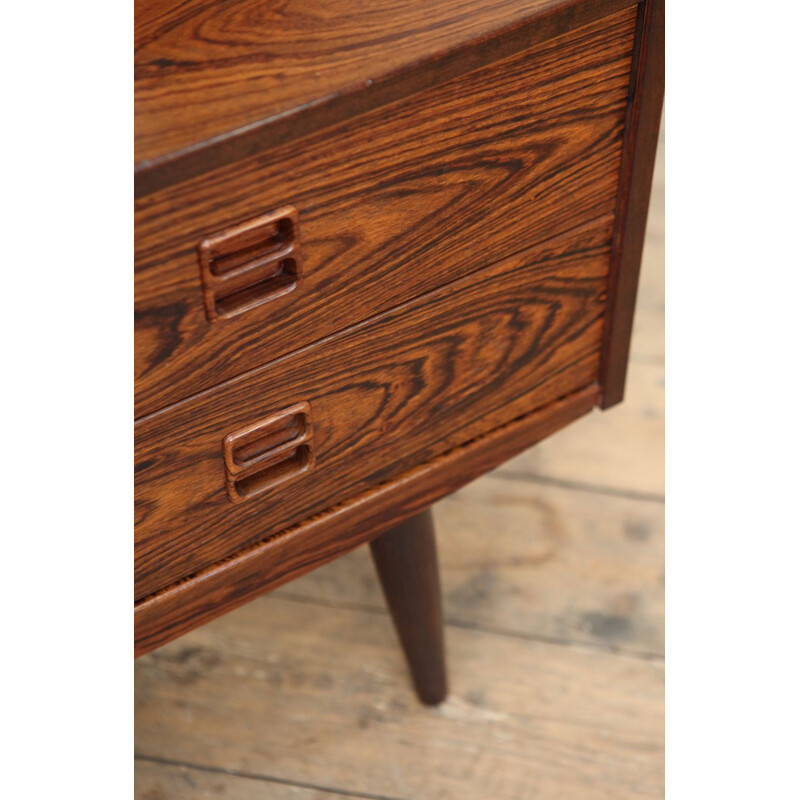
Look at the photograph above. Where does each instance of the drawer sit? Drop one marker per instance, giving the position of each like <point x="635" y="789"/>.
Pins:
<point x="376" y="211"/>
<point x="248" y="459"/>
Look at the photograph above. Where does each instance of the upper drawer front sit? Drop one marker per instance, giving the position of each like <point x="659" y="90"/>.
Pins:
<point x="388" y="206"/>
<point x="271" y="448"/>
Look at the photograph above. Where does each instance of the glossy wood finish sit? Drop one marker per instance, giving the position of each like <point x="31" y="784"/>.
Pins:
<point x="279" y="559"/>
<point x="215" y="82"/>
<point x="390" y="205"/>
<point x="406" y="562"/>
<point x="399" y="390"/>
<point x="456" y="209"/>
<point x="641" y="139"/>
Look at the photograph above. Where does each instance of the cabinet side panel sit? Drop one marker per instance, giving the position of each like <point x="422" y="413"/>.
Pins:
<point x="636" y="176"/>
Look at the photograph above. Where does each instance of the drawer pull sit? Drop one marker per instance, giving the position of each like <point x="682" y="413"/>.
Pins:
<point x="287" y="466"/>
<point x="269" y="452"/>
<point x="251" y="264"/>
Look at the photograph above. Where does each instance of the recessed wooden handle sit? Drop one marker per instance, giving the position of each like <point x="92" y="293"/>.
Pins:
<point x="246" y="266"/>
<point x="273" y="450"/>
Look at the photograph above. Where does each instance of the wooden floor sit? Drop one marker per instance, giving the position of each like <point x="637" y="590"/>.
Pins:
<point x="552" y="571"/>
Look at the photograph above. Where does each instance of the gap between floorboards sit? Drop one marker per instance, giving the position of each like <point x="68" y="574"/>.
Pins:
<point x="258" y="777"/>
<point x="617" y="650"/>
<point x="528" y="477"/>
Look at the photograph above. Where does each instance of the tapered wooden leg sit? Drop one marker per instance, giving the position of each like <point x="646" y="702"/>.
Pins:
<point x="405" y="558"/>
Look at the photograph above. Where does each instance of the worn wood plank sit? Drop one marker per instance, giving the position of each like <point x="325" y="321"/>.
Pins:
<point x="154" y="781"/>
<point x="320" y="696"/>
<point x="540" y="561"/>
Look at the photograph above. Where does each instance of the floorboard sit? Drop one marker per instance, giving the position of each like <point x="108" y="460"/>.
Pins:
<point x="321" y="697"/>
<point x="537" y="561"/>
<point x="156" y="780"/>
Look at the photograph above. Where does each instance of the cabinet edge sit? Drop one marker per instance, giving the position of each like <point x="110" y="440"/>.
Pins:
<point x="640" y="142"/>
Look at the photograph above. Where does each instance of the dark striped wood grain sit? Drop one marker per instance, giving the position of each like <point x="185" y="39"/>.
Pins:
<point x="384" y="396"/>
<point x="392" y="204"/>
<point x="271" y="563"/>
<point x="216" y="80"/>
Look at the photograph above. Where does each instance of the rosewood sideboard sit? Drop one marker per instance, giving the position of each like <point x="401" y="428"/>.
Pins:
<point x="380" y="249"/>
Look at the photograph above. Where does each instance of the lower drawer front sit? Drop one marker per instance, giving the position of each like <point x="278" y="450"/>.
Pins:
<point x="244" y="461"/>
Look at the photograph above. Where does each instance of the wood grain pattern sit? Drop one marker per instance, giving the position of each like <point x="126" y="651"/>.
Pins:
<point x="221" y="74"/>
<point x="401" y="389"/>
<point x="641" y="140"/>
<point x="279" y="559"/>
<point x="319" y="696"/>
<point x="391" y="205"/>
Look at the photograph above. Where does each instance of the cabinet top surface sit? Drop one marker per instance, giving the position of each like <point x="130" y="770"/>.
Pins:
<point x="205" y="69"/>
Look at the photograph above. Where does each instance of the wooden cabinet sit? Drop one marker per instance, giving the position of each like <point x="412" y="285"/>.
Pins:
<point x="369" y="268"/>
